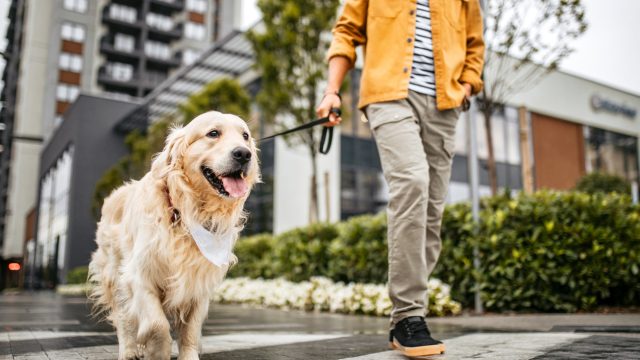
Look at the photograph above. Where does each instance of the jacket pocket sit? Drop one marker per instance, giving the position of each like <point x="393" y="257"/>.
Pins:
<point x="385" y="8"/>
<point x="454" y="12"/>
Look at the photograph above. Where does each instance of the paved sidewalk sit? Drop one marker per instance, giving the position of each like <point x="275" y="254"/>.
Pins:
<point x="48" y="326"/>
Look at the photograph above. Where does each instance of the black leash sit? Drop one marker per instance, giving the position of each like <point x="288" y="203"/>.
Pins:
<point x="327" y="132"/>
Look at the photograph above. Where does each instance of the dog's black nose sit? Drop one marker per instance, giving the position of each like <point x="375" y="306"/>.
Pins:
<point x="241" y="155"/>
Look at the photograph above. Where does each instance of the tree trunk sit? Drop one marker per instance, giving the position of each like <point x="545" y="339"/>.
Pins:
<point x="491" y="160"/>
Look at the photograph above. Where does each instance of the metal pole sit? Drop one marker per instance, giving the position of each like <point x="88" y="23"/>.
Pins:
<point x="474" y="185"/>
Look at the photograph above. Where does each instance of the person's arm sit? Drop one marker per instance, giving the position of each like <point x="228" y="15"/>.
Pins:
<point x="471" y="77"/>
<point x="338" y="67"/>
<point x="348" y="33"/>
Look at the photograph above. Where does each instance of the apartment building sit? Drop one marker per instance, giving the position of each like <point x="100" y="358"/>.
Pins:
<point x="59" y="49"/>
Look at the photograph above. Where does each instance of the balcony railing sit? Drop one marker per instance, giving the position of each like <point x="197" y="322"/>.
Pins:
<point x="107" y="47"/>
<point x="167" y="6"/>
<point x="148" y="81"/>
<point x="163" y="34"/>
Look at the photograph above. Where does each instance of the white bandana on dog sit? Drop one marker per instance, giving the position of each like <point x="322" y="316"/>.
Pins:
<point x="216" y="248"/>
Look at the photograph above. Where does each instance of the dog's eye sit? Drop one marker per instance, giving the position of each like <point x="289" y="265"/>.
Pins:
<point x="245" y="136"/>
<point x="214" y="134"/>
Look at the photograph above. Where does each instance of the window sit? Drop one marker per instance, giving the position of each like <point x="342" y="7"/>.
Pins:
<point x="362" y="186"/>
<point x="157" y="49"/>
<point x="610" y="152"/>
<point x="120" y="71"/>
<point x="158" y="21"/>
<point x="194" y="31"/>
<point x="197" y="6"/>
<point x="189" y="56"/>
<point x="124" y="42"/>
<point x="57" y="120"/>
<point x="76" y="5"/>
<point x="72" y="32"/>
<point x="70" y="62"/>
<point x="67" y="93"/>
<point x="54" y="216"/>
<point x="123" y="13"/>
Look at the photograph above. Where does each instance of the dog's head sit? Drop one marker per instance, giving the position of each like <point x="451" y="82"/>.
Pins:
<point x="213" y="155"/>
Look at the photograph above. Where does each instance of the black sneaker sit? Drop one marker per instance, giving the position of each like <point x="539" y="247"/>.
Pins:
<point x="411" y="337"/>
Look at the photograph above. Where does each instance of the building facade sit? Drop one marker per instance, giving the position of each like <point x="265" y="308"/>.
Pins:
<point x="59" y="49"/>
<point x="549" y="136"/>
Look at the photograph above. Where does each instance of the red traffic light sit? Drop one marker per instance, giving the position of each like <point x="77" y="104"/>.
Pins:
<point x="14" y="266"/>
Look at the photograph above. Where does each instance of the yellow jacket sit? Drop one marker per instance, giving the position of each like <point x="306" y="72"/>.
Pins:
<point x="386" y="29"/>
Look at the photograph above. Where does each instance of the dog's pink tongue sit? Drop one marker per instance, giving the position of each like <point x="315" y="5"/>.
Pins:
<point x="235" y="187"/>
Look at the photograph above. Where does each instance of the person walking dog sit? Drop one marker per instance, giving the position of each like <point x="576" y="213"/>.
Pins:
<point x="423" y="61"/>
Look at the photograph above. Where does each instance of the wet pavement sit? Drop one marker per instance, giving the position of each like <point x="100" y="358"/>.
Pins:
<point x="44" y="325"/>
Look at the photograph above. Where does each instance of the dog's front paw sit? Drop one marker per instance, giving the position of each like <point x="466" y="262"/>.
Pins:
<point x="130" y="355"/>
<point x="188" y="355"/>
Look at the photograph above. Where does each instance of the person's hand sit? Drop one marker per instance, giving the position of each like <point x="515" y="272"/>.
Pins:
<point x="466" y="102"/>
<point x="329" y="101"/>
<point x="467" y="90"/>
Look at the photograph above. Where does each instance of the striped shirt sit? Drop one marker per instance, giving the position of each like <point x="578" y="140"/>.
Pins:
<point x="422" y="71"/>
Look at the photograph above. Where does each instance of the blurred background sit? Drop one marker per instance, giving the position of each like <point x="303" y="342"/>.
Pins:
<point x="90" y="87"/>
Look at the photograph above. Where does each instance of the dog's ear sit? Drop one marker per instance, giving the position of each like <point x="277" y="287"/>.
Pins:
<point x="171" y="156"/>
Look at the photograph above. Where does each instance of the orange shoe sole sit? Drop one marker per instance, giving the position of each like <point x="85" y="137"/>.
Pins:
<point x="417" y="351"/>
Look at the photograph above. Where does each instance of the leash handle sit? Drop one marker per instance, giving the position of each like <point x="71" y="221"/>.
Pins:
<point x="327" y="133"/>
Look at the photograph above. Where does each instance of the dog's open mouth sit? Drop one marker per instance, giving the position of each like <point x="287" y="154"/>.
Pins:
<point x="232" y="184"/>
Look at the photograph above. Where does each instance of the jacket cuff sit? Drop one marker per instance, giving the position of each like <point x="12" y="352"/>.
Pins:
<point x="341" y="47"/>
<point x="472" y="79"/>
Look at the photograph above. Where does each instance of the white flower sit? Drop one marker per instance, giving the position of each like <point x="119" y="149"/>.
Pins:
<point x="322" y="294"/>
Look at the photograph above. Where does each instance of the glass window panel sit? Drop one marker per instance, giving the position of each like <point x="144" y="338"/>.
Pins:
<point x="78" y="33"/>
<point x="612" y="153"/>
<point x="481" y="136"/>
<point x="61" y="92"/>
<point x="64" y="61"/>
<point x="76" y="63"/>
<point x="74" y="91"/>
<point x="67" y="31"/>
<point x="124" y="42"/>
<point x="498" y="137"/>
<point x="513" y="142"/>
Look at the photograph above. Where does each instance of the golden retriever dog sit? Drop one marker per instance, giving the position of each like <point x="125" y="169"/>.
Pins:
<point x="165" y="241"/>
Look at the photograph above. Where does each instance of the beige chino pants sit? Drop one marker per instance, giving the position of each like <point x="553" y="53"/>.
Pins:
<point x="415" y="142"/>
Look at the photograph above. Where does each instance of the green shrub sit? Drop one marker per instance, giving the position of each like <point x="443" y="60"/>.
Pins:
<point x="78" y="275"/>
<point x="256" y="257"/>
<point x="546" y="252"/>
<point x="304" y="252"/>
<point x="359" y="253"/>
<point x="599" y="182"/>
<point x="549" y="251"/>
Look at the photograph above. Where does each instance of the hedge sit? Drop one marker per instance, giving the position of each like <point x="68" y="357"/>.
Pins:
<point x="550" y="251"/>
<point x="598" y="182"/>
<point x="78" y="275"/>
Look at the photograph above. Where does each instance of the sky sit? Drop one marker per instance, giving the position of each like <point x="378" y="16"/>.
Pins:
<point x="609" y="52"/>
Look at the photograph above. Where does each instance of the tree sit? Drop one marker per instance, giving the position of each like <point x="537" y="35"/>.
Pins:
<point x="225" y="95"/>
<point x="290" y="48"/>
<point x="525" y="40"/>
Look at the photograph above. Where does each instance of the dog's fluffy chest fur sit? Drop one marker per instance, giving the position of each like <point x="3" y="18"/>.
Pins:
<point x="189" y="274"/>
